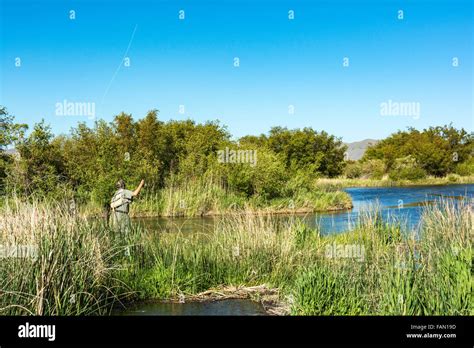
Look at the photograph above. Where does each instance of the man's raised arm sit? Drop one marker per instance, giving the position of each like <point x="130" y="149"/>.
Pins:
<point x="139" y="188"/>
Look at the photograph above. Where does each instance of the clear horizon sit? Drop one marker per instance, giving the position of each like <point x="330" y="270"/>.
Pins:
<point x="409" y="72"/>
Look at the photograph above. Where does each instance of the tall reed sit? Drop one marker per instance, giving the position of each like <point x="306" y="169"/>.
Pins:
<point x="54" y="262"/>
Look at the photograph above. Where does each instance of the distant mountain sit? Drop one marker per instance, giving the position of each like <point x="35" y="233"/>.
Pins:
<point x="356" y="150"/>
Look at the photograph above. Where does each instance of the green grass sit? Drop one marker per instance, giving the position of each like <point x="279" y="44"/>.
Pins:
<point x="73" y="273"/>
<point x="397" y="273"/>
<point x="190" y="199"/>
<point x="338" y="183"/>
<point x="202" y="198"/>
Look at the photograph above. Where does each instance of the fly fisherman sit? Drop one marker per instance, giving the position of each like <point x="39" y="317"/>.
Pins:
<point x="120" y="205"/>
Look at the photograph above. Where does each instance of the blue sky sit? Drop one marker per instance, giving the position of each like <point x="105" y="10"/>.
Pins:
<point x="283" y="62"/>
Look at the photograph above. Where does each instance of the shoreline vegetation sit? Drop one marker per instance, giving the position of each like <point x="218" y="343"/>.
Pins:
<point x="200" y="200"/>
<point x="327" y="196"/>
<point x="83" y="268"/>
<point x="344" y="182"/>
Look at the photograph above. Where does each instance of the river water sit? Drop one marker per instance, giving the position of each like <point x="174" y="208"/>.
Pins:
<point x="401" y="204"/>
<point x="222" y="307"/>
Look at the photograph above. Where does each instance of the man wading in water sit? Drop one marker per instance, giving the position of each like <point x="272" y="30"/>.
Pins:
<point x="120" y="205"/>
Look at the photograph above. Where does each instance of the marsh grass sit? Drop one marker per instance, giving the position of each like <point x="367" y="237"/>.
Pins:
<point x="190" y="199"/>
<point x="84" y="268"/>
<point x="206" y="197"/>
<point x="340" y="182"/>
<point x="73" y="270"/>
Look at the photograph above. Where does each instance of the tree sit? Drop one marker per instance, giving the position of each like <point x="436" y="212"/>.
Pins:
<point x="151" y="150"/>
<point x="437" y="150"/>
<point x="407" y="168"/>
<point x="10" y="134"/>
<point x="41" y="166"/>
<point x="306" y="148"/>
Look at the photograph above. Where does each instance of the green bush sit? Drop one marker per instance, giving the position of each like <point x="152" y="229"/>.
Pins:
<point x="302" y="181"/>
<point x="373" y="169"/>
<point x="353" y="170"/>
<point x="466" y="168"/>
<point x="437" y="149"/>
<point x="265" y="178"/>
<point x="407" y="168"/>
<point x="407" y="174"/>
<point x="453" y="178"/>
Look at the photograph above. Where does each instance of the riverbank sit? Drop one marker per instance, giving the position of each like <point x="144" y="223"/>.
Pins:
<point x="317" y="201"/>
<point x="339" y="183"/>
<point x="82" y="268"/>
